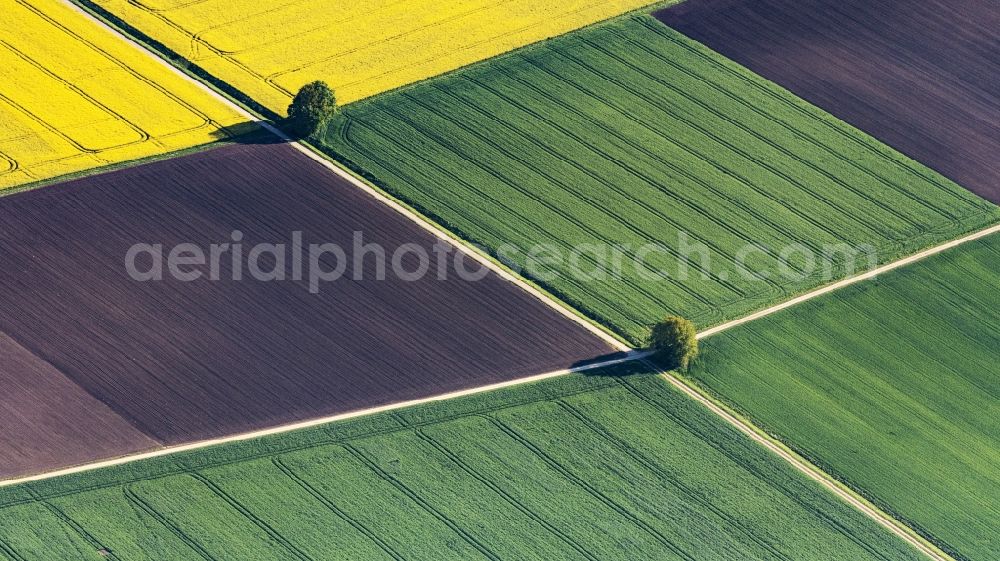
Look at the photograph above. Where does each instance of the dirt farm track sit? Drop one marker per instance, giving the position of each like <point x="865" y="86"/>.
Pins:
<point x="148" y="363"/>
<point x="921" y="75"/>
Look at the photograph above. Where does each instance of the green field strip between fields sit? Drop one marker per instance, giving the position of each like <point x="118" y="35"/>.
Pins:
<point x="577" y="467"/>
<point x="629" y="133"/>
<point x="890" y="386"/>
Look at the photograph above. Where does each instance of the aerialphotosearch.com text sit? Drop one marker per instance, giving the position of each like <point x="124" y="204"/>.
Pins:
<point x="320" y="263"/>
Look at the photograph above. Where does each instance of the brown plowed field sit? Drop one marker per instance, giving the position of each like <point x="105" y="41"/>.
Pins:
<point x="186" y="361"/>
<point x="47" y="420"/>
<point x="921" y="75"/>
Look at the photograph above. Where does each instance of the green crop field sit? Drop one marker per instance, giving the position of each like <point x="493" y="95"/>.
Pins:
<point x="892" y="386"/>
<point x="598" y="467"/>
<point x="629" y="134"/>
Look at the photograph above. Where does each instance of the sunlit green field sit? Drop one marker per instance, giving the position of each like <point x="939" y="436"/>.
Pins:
<point x="892" y="386"/>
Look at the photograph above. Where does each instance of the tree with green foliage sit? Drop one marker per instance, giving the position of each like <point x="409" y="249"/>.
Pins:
<point x="674" y="342"/>
<point x="313" y="107"/>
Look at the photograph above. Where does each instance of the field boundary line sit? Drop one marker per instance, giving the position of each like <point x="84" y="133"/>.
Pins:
<point x="852" y="280"/>
<point x="281" y="429"/>
<point x="424" y="223"/>
<point x="804" y="466"/>
<point x="550" y="301"/>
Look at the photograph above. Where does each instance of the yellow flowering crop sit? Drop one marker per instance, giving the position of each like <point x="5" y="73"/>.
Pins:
<point x="270" y="48"/>
<point x="74" y="97"/>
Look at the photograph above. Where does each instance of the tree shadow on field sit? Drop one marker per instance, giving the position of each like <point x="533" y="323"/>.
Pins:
<point x="629" y="368"/>
<point x="248" y="132"/>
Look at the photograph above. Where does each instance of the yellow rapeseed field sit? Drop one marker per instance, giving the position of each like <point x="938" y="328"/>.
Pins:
<point x="74" y="97"/>
<point x="270" y="48"/>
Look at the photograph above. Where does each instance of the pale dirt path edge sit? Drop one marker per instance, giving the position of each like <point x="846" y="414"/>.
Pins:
<point x="852" y="280"/>
<point x="165" y="451"/>
<point x="809" y="469"/>
<point x="899" y="529"/>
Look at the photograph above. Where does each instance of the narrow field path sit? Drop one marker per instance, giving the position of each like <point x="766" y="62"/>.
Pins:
<point x="852" y="280"/>
<point x="802" y="465"/>
<point x="816" y="474"/>
<point x="166" y="451"/>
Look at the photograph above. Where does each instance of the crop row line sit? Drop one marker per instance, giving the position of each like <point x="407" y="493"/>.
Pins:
<point x="753" y="470"/>
<point x="143" y="6"/>
<point x="337" y="511"/>
<point x="896" y="245"/>
<point x="421" y="502"/>
<point x="354" y="15"/>
<point x="250" y="516"/>
<point x="494" y="118"/>
<point x="34" y="117"/>
<point x="568" y="475"/>
<point x="768" y="141"/>
<point x="635" y="172"/>
<point x="499" y="176"/>
<point x="330" y="440"/>
<point x="12" y="164"/>
<point x="114" y="61"/>
<point x="132" y="497"/>
<point x="714" y="137"/>
<point x="500" y="204"/>
<point x="390" y="5"/>
<point x="482" y="224"/>
<point x="491" y="485"/>
<point x="942" y="425"/>
<point x="78" y="528"/>
<point x="795" y="131"/>
<point x="701" y="156"/>
<point x="195" y="44"/>
<point x="676" y="169"/>
<point x="407" y="31"/>
<point x="514" y="217"/>
<point x="10" y="552"/>
<point x="695" y="179"/>
<point x="577" y="194"/>
<point x="489" y="40"/>
<point x="807" y="111"/>
<point x="884" y="320"/>
<point x="143" y="135"/>
<point x="672" y="480"/>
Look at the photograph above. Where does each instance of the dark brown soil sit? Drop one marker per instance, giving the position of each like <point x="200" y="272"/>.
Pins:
<point x="185" y="361"/>
<point x="921" y="75"/>
<point x="48" y="421"/>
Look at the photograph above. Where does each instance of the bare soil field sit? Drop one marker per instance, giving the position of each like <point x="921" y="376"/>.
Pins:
<point x="186" y="361"/>
<point x="46" y="419"/>
<point x="921" y="75"/>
